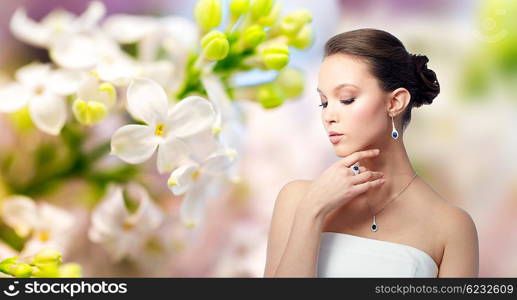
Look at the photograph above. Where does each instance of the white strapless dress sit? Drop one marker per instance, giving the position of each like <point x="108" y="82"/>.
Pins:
<point x="346" y="255"/>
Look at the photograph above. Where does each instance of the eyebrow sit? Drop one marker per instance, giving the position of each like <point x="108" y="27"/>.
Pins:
<point x="339" y="86"/>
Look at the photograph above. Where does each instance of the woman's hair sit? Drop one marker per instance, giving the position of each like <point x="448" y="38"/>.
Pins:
<point x="390" y="63"/>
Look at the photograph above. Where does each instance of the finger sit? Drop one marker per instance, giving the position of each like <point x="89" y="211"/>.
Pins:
<point x="361" y="170"/>
<point x="356" y="156"/>
<point x="363" y="187"/>
<point x="366" y="176"/>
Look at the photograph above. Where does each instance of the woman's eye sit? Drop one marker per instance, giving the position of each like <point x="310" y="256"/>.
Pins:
<point x="348" y="101"/>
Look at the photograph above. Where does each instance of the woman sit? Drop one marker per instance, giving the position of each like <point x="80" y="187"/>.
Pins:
<point x="369" y="214"/>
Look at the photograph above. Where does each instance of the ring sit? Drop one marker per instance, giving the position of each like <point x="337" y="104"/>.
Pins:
<point x="355" y="169"/>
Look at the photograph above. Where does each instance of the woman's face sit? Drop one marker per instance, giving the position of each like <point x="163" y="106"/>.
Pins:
<point x="354" y="105"/>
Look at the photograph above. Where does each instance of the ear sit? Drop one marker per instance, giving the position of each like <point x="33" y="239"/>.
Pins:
<point x="398" y="101"/>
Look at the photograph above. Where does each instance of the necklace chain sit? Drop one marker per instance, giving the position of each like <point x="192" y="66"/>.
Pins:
<point x="367" y="202"/>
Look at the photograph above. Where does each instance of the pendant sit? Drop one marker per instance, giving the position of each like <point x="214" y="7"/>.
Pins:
<point x="374" y="226"/>
<point x="394" y="134"/>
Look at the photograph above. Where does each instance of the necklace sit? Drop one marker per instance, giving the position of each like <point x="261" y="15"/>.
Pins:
<point x="374" y="227"/>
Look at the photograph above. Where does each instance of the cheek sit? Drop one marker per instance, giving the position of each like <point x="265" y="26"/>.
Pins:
<point x="367" y="118"/>
<point x="363" y="113"/>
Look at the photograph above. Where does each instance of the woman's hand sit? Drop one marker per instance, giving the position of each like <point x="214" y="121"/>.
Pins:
<point x="338" y="184"/>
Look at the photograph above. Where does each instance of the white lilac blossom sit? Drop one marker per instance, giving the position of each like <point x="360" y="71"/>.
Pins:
<point x="84" y="50"/>
<point x="163" y="66"/>
<point x="199" y="182"/>
<point x="120" y="230"/>
<point x="175" y="34"/>
<point x="229" y="125"/>
<point x="76" y="42"/>
<point x="164" y="128"/>
<point x="72" y="41"/>
<point x="43" y="90"/>
<point x="57" y="24"/>
<point x="43" y="224"/>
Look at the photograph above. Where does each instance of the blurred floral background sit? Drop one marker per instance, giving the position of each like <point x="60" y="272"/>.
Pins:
<point x="224" y="92"/>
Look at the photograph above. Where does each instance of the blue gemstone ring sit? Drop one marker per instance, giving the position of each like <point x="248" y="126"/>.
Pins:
<point x="355" y="169"/>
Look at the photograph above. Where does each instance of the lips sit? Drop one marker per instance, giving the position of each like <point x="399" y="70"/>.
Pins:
<point x="335" y="137"/>
<point x="331" y="133"/>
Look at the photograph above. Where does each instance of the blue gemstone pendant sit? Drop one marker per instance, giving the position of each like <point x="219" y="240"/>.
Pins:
<point x="394" y="132"/>
<point x="374" y="226"/>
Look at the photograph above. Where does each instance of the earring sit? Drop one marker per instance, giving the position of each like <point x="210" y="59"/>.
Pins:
<point x="394" y="132"/>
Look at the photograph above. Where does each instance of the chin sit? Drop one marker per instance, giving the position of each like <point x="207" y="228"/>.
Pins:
<point x="343" y="151"/>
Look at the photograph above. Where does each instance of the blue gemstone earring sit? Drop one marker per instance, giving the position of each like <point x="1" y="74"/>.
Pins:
<point x="394" y="132"/>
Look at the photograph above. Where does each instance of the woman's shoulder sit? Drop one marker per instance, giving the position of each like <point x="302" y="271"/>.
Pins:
<point x="456" y="221"/>
<point x="446" y="224"/>
<point x="448" y="213"/>
<point x="296" y="188"/>
<point x="460" y="252"/>
<point x="448" y="218"/>
<point x="298" y="185"/>
<point x="292" y="192"/>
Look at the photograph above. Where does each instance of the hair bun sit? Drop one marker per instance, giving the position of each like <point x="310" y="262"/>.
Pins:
<point x="429" y="87"/>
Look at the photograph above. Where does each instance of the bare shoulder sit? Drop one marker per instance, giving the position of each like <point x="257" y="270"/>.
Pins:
<point x="461" y="246"/>
<point x="295" y="187"/>
<point x="283" y="214"/>
<point x="450" y="231"/>
<point x="457" y="232"/>
<point x="456" y="222"/>
<point x="289" y="196"/>
<point x="447" y="215"/>
<point x="449" y="219"/>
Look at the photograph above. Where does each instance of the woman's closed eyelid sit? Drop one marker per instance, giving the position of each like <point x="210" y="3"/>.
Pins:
<point x="347" y="101"/>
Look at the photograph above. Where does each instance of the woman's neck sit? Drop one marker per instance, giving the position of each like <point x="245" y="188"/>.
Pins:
<point x="394" y="162"/>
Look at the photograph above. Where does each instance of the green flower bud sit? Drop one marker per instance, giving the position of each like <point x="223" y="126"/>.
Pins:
<point x="7" y="263"/>
<point x="270" y="19"/>
<point x="46" y="271"/>
<point x="89" y="113"/>
<point x="275" y="56"/>
<point x="208" y="13"/>
<point x="47" y="257"/>
<point x="215" y="45"/>
<point x="70" y="270"/>
<point x="260" y="8"/>
<point x="270" y="96"/>
<point x="20" y="270"/>
<point x="294" y="21"/>
<point x="239" y="7"/>
<point x="253" y="36"/>
<point x="291" y="82"/>
<point x="303" y="39"/>
<point x="12" y="266"/>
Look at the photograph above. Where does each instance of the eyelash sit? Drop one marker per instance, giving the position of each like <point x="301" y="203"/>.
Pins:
<point x="349" y="101"/>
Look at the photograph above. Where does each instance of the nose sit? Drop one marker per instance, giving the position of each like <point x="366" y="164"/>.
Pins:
<point x="329" y="114"/>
